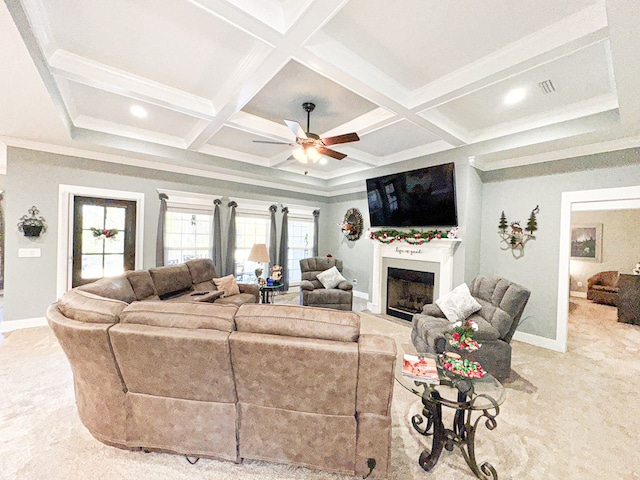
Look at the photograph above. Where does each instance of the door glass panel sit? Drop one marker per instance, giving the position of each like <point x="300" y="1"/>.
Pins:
<point x="115" y="244"/>
<point x="113" y="265"/>
<point x="90" y="243"/>
<point x="91" y="266"/>
<point x="92" y="216"/>
<point x="115" y="217"/>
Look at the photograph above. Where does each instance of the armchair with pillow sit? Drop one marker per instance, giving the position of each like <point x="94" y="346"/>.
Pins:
<point x="494" y="304"/>
<point x="323" y="284"/>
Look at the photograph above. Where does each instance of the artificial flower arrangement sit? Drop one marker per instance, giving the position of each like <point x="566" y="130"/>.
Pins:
<point x="107" y="233"/>
<point x="462" y="336"/>
<point x="413" y="237"/>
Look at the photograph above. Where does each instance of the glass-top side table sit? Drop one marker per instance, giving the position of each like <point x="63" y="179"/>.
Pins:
<point x="473" y="399"/>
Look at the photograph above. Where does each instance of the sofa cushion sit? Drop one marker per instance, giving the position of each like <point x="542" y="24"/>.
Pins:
<point x="201" y="269"/>
<point x="171" y="280"/>
<point x="237" y="300"/>
<point x="297" y="321"/>
<point x="117" y="288"/>
<point x="87" y="307"/>
<point x="228" y="285"/>
<point x="331" y="278"/>
<point x="142" y="284"/>
<point x="458" y="304"/>
<point x="192" y="315"/>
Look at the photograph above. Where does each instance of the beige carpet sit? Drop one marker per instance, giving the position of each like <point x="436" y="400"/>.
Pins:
<point x="567" y="416"/>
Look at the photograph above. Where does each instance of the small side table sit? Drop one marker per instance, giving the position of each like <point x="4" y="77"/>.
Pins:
<point x="266" y="292"/>
<point x="472" y="399"/>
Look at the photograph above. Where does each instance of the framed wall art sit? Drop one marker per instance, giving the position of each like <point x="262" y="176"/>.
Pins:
<point x="586" y="242"/>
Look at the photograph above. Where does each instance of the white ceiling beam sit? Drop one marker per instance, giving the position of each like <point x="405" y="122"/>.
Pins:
<point x="97" y="75"/>
<point x="624" y="19"/>
<point x="253" y="79"/>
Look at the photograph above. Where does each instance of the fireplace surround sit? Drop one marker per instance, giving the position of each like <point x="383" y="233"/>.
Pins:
<point x="435" y="257"/>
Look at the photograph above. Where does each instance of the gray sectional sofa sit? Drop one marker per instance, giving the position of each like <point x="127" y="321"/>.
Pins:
<point x="287" y="384"/>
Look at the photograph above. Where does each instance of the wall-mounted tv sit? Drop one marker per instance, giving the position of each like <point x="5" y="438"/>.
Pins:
<point x="425" y="197"/>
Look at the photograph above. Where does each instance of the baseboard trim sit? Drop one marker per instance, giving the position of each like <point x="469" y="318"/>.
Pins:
<point x="11" y="325"/>
<point x="363" y="295"/>
<point x="537" y="341"/>
<point x="573" y="293"/>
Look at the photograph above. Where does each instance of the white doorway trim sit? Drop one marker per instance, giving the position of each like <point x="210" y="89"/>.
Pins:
<point x="567" y="205"/>
<point x="66" y="194"/>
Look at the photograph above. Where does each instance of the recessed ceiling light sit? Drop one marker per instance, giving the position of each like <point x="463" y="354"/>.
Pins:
<point x="514" y="96"/>
<point x="323" y="161"/>
<point x="138" y="111"/>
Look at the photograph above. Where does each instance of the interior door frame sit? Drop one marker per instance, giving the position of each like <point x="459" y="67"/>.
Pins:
<point x="569" y="199"/>
<point x="66" y="195"/>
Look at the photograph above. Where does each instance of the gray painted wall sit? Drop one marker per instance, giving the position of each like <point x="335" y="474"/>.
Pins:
<point x="517" y="191"/>
<point x="620" y="245"/>
<point x="33" y="178"/>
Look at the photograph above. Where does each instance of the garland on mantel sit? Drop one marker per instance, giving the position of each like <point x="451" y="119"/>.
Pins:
<point x="413" y="237"/>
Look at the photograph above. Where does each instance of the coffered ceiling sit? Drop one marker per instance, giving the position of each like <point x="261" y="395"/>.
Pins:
<point x="412" y="78"/>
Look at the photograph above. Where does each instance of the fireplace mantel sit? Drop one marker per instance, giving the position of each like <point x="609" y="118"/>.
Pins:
<point x="438" y="251"/>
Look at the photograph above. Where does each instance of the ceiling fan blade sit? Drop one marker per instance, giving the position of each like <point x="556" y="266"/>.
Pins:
<point x="274" y="143"/>
<point x="346" y="138"/>
<point x="296" y="129"/>
<point x="331" y="153"/>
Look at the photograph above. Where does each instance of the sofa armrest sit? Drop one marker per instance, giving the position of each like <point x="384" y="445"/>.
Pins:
<point x="433" y="310"/>
<point x="251" y="288"/>
<point x="376" y="367"/>
<point x="345" y="286"/>
<point x="306" y="285"/>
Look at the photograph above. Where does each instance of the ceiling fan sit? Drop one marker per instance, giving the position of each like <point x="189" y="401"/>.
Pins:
<point x="310" y="146"/>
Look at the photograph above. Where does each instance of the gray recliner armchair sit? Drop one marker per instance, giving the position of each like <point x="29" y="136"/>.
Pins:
<point x="502" y="304"/>
<point x="313" y="293"/>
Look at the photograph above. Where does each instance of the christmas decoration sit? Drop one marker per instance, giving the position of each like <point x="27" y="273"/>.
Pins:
<point x="413" y="237"/>
<point x="516" y="238"/>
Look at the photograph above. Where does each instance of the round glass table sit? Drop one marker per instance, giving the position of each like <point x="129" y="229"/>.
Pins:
<point x="473" y="400"/>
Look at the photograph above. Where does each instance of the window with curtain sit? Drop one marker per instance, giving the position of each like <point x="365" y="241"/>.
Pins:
<point x="300" y="245"/>
<point x="187" y="235"/>
<point x="250" y="228"/>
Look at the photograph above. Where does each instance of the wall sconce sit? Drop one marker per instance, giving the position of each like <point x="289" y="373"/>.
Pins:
<point x="516" y="239"/>
<point x="32" y="225"/>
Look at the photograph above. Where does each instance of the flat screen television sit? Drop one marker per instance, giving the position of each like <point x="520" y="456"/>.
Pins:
<point x="425" y="197"/>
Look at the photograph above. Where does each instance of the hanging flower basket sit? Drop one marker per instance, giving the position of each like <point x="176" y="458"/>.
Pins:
<point x="32" y="225"/>
<point x="32" y="230"/>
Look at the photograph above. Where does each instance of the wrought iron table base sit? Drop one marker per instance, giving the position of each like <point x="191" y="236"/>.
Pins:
<point x="461" y="435"/>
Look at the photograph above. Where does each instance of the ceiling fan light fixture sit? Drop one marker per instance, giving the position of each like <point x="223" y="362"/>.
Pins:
<point x="313" y="154"/>
<point x="300" y="155"/>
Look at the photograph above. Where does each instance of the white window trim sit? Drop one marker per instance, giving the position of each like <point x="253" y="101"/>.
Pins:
<point x="66" y="195"/>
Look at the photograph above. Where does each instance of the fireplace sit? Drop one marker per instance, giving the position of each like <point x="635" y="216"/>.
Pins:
<point x="408" y="291"/>
<point x="436" y="256"/>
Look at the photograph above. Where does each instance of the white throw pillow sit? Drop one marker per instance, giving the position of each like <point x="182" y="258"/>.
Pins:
<point x="458" y="304"/>
<point x="331" y="278"/>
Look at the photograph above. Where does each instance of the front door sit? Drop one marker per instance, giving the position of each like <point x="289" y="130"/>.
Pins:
<point x="104" y="232"/>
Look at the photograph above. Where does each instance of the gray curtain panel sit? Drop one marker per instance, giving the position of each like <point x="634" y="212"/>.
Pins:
<point x="316" y="232"/>
<point x="230" y="261"/>
<point x="162" y="216"/>
<point x="273" y="239"/>
<point x="284" y="247"/>
<point x="216" y="243"/>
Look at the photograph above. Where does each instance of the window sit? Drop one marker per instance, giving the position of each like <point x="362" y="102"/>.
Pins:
<point x="250" y="228"/>
<point x="187" y="235"/>
<point x="300" y="246"/>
